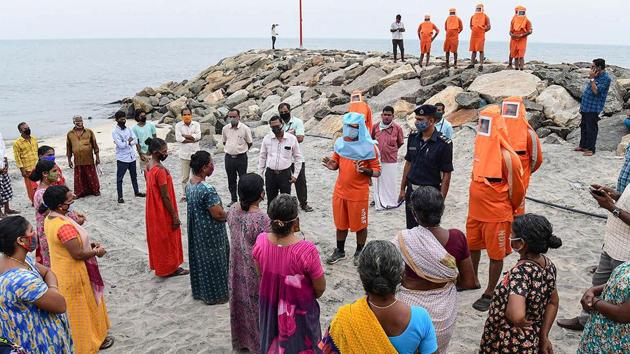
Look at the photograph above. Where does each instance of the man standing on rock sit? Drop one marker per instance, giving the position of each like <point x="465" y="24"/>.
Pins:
<point x="25" y="153"/>
<point x="496" y="191"/>
<point x="520" y="29"/>
<point x="397" y="29"/>
<point x="237" y="140"/>
<point x="453" y="27"/>
<point x="427" y="31"/>
<point x="278" y="152"/>
<point x="428" y="162"/>
<point x="389" y="136"/>
<point x="81" y="143"/>
<point x="125" y="155"/>
<point x="295" y="126"/>
<point x="479" y="25"/>
<point x="593" y="101"/>
<point x="188" y="134"/>
<point x="356" y="158"/>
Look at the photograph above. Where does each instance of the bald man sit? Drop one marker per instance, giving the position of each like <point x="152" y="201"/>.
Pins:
<point x="479" y="25"/>
<point x="453" y="27"/>
<point x="427" y="31"/>
<point x="520" y="29"/>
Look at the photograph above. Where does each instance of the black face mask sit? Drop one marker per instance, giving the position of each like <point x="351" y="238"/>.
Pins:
<point x="27" y="131"/>
<point x="277" y="129"/>
<point x="142" y="119"/>
<point x="122" y="125"/>
<point x="286" y="117"/>
<point x="163" y="157"/>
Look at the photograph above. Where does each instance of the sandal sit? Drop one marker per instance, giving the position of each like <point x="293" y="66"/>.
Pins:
<point x="11" y="212"/>
<point x="179" y="271"/>
<point x="483" y="303"/>
<point x="107" y="343"/>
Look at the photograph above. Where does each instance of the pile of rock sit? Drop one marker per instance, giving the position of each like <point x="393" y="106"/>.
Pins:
<point x="317" y="84"/>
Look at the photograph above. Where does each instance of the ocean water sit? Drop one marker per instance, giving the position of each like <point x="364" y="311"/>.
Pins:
<point x="46" y="82"/>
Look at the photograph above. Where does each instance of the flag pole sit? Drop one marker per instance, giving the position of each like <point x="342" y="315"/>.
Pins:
<point x="301" y="24"/>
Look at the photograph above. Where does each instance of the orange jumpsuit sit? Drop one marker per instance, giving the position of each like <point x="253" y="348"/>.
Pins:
<point x="523" y="139"/>
<point x="425" y="32"/>
<point x="496" y="189"/>
<point x="479" y="23"/>
<point x="519" y="25"/>
<point x="362" y="108"/>
<point x="453" y="27"/>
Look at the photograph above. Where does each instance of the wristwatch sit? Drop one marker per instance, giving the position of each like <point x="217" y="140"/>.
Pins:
<point x="616" y="212"/>
<point x="592" y="80"/>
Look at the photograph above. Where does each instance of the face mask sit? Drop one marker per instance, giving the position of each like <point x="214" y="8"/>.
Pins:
<point x="27" y="131"/>
<point x="187" y="119"/>
<point x="234" y="121"/>
<point x="422" y="125"/>
<point x="49" y="158"/>
<point x="142" y="119"/>
<point x="353" y="133"/>
<point x="31" y="245"/>
<point x="514" y="248"/>
<point x="277" y="129"/>
<point x="52" y="176"/>
<point x="439" y="115"/>
<point x="286" y="117"/>
<point x="122" y="125"/>
<point x="163" y="157"/>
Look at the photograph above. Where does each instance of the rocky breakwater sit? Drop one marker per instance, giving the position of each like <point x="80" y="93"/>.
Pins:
<point x="318" y="83"/>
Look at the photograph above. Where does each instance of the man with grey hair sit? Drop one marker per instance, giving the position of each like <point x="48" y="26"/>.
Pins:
<point x="81" y="143"/>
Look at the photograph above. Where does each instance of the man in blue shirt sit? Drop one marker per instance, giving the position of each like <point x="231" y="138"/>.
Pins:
<point x="593" y="100"/>
<point x="125" y="142"/>
<point x="443" y="126"/>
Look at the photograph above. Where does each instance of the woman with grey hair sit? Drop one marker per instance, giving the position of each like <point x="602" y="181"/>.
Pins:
<point x="378" y="322"/>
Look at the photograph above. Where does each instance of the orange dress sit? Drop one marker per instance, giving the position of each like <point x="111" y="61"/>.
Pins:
<point x="479" y="23"/>
<point x="453" y="27"/>
<point x="519" y="25"/>
<point x="165" y="244"/>
<point x="425" y="32"/>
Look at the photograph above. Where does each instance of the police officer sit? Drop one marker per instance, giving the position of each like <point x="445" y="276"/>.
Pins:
<point x="429" y="159"/>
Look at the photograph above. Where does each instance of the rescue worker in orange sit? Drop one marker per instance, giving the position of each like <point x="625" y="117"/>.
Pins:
<point x="358" y="105"/>
<point x="453" y="27"/>
<point x="523" y="140"/>
<point x="496" y="191"/>
<point x="479" y="25"/>
<point x="427" y="31"/>
<point x="520" y="29"/>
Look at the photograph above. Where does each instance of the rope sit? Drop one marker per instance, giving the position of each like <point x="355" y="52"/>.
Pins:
<point x="567" y="208"/>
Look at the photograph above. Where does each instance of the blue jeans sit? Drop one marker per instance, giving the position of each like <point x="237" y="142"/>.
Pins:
<point x="121" y="170"/>
<point x="626" y="122"/>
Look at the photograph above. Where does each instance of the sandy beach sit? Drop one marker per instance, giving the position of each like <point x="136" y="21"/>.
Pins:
<point x="153" y="315"/>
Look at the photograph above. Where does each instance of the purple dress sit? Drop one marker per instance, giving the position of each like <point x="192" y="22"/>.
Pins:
<point x="243" y="282"/>
<point x="289" y="312"/>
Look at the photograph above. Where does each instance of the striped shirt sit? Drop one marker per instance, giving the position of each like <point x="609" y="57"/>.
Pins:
<point x="617" y="233"/>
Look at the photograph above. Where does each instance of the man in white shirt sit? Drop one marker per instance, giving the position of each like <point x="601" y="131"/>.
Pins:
<point x="277" y="153"/>
<point x="237" y="139"/>
<point x="397" y="30"/>
<point x="188" y="134"/>
<point x="125" y="155"/>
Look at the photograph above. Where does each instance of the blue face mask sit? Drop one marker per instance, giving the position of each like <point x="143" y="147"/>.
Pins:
<point x="353" y="133"/>
<point x="422" y="125"/>
<point x="49" y="158"/>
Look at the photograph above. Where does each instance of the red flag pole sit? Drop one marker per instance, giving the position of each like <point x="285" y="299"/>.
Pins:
<point x="300" y="23"/>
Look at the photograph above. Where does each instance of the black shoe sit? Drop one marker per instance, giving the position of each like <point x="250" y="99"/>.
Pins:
<point x="372" y="203"/>
<point x="307" y="208"/>
<point x="336" y="256"/>
<point x="121" y="201"/>
<point x="141" y="195"/>
<point x="483" y="303"/>
<point x="573" y="324"/>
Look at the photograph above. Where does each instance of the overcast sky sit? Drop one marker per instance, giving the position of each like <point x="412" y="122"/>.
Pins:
<point x="556" y="21"/>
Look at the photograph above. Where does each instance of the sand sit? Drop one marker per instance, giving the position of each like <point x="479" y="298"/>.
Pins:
<point x="153" y="315"/>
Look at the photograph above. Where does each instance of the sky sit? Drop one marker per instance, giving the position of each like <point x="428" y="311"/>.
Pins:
<point x="554" y="21"/>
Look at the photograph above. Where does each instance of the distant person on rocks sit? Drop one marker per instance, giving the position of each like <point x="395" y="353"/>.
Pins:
<point x="237" y="140"/>
<point x="443" y="125"/>
<point x="274" y="35"/>
<point x="479" y="25"/>
<point x="125" y="155"/>
<point x="25" y="153"/>
<point x="428" y="161"/>
<point x="427" y="31"/>
<point x="46" y="152"/>
<point x="294" y="125"/>
<point x="616" y="249"/>
<point x="143" y="131"/>
<point x="188" y="135"/>
<point x="356" y="157"/>
<point x="397" y="29"/>
<point x="593" y="101"/>
<point x="6" y="191"/>
<point x="81" y="144"/>
<point x="496" y="191"/>
<point x="389" y="136"/>
<point x="453" y="27"/>
<point x="278" y="152"/>
<point x="520" y="29"/>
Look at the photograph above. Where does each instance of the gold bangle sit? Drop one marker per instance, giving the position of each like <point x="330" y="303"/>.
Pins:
<point x="53" y="287"/>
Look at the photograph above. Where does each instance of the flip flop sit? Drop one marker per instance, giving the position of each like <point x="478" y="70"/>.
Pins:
<point x="483" y="303"/>
<point x="107" y="343"/>
<point x="178" y="272"/>
<point x="12" y="212"/>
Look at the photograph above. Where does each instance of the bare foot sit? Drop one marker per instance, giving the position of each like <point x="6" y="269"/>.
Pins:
<point x="509" y="67"/>
<point x="579" y="149"/>
<point x="588" y="153"/>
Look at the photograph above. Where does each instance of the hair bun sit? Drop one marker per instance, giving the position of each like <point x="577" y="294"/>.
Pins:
<point x="554" y="242"/>
<point x="380" y="286"/>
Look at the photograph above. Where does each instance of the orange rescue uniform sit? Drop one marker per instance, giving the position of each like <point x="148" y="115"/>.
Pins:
<point x="453" y="27"/>
<point x="496" y="189"/>
<point x="362" y="108"/>
<point x="425" y="32"/>
<point x="479" y="23"/>
<point x="520" y="25"/>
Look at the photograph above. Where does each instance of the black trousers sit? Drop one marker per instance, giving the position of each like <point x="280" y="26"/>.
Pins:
<point x="121" y="170"/>
<point x="273" y="42"/>
<point x="277" y="182"/>
<point x="588" y="130"/>
<point x="300" y="185"/>
<point x="398" y="43"/>
<point x="409" y="218"/>
<point x="235" y="165"/>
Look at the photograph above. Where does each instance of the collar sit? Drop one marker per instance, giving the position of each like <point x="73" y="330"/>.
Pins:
<point x="434" y="136"/>
<point x="273" y="136"/>
<point x="28" y="141"/>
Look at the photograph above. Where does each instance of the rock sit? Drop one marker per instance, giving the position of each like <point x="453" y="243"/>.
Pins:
<point x="318" y="108"/>
<point x="543" y="132"/>
<point x="533" y="106"/>
<point x="164" y="101"/>
<point x="248" y="109"/>
<point x="209" y="118"/>
<point x="573" y="81"/>
<point x="462" y="117"/>
<point x="270" y="102"/>
<point x="468" y="99"/>
<point x="142" y="103"/>
<point x="366" y="81"/>
<point x="614" y="100"/>
<point x="239" y="85"/>
<point x="214" y="97"/>
<point x="236" y="98"/>
<point x="328" y="126"/>
<point x="403" y="108"/>
<point x="170" y="136"/>
<point x="317" y="60"/>
<point x="497" y="86"/>
<point x="146" y="92"/>
<point x="553" y="138"/>
<point x="535" y="119"/>
<point x="353" y="71"/>
<point x="215" y="81"/>
<point x="268" y="114"/>
<point x="206" y="128"/>
<point x="295" y="90"/>
<point x="273" y="76"/>
<point x="447" y="97"/>
<point x="328" y="79"/>
<point x="560" y="106"/>
<point x="623" y="145"/>
<point x="260" y="131"/>
<point x="611" y="131"/>
<point x="407" y="90"/>
<point x="560" y="131"/>
<point x="306" y="77"/>
<point x="310" y="94"/>
<point x="403" y="72"/>
<point x="429" y="75"/>
<point x="207" y="141"/>
<point x="468" y="76"/>
<point x="294" y="100"/>
<point x="154" y="101"/>
<point x="175" y="107"/>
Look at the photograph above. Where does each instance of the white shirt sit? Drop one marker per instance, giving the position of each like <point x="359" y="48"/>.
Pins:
<point x="617" y="233"/>
<point x="236" y="141"/>
<point x="280" y="154"/>
<point x="397" y="34"/>
<point x="125" y="150"/>
<point x="3" y="151"/>
<point x="274" y="32"/>
<point x="194" y="129"/>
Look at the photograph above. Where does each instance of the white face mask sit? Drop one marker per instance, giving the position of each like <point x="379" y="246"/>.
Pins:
<point x="514" y="248"/>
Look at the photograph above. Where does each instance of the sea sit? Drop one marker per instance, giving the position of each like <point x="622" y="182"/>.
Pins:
<point x="46" y="82"/>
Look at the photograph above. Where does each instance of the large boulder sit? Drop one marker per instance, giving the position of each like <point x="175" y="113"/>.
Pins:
<point x="611" y="131"/>
<point x="294" y="100"/>
<point x="175" y="107"/>
<point x="366" y="81"/>
<point x="270" y="102"/>
<point x="142" y="103"/>
<point x="239" y="85"/>
<point x="497" y="86"/>
<point x="328" y="126"/>
<point x="447" y="97"/>
<point x="431" y="74"/>
<point x="403" y="108"/>
<point x="318" y="108"/>
<point x="403" y="72"/>
<point x="328" y="79"/>
<point x="236" y="98"/>
<point x="462" y="117"/>
<point x="308" y="77"/>
<point x="623" y="145"/>
<point x="614" y="100"/>
<point x="214" y="97"/>
<point x="573" y="81"/>
<point x="216" y="80"/>
<point x="407" y="90"/>
<point x="559" y="106"/>
<point x="468" y="99"/>
<point x="146" y="92"/>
